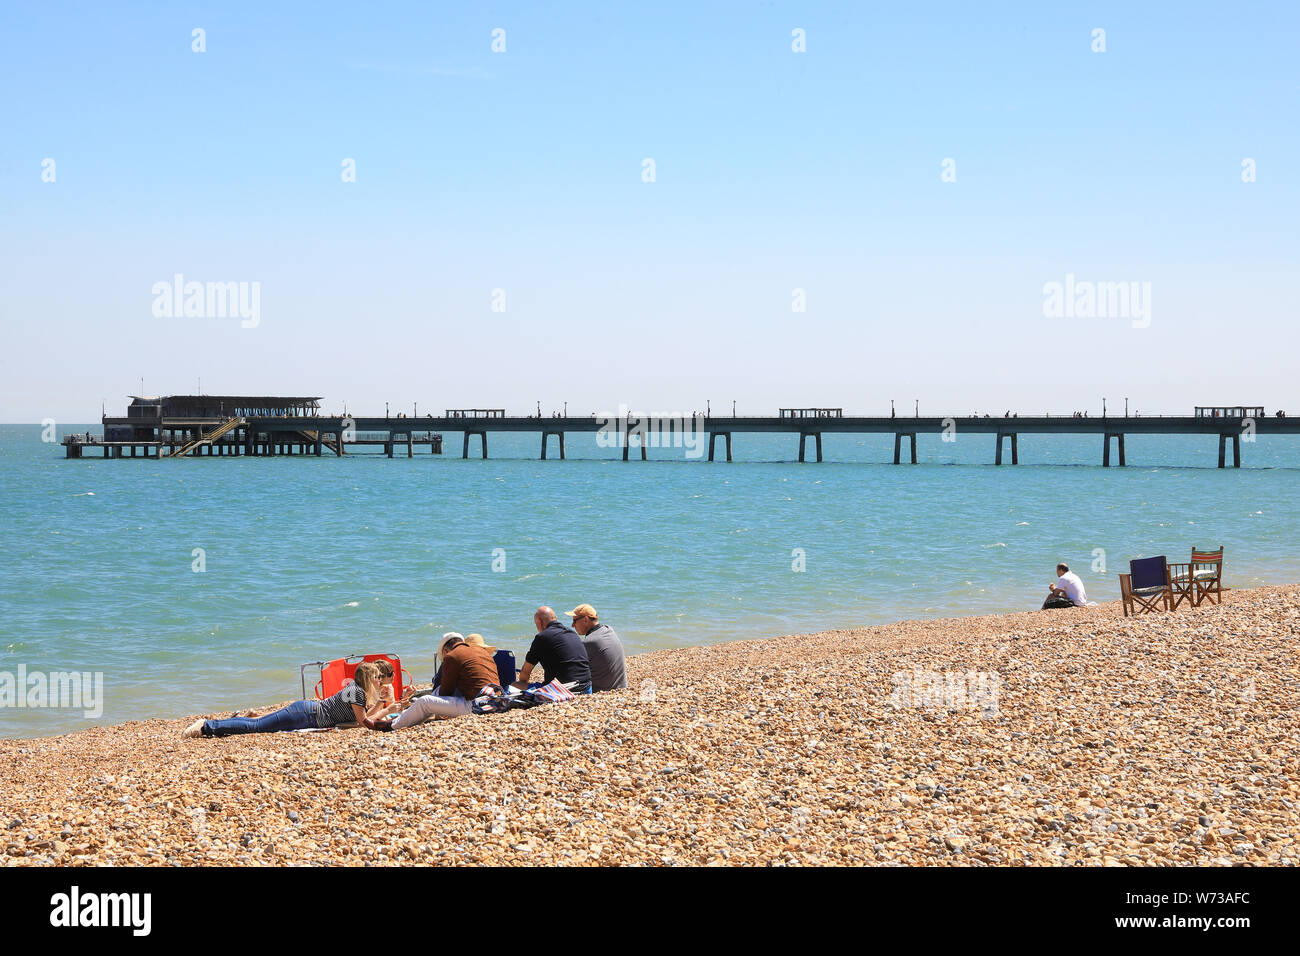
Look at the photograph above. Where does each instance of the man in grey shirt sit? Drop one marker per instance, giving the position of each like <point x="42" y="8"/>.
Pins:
<point x="604" y="649"/>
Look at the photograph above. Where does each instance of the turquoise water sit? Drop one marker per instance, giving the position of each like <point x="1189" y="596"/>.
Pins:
<point x="315" y="558"/>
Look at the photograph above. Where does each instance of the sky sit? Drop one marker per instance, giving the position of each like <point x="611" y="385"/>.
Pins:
<point x="876" y="216"/>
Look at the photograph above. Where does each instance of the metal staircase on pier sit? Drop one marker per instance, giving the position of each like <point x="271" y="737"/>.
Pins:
<point x="215" y="435"/>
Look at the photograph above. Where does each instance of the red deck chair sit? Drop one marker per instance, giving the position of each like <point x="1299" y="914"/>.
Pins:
<point x="334" y="674"/>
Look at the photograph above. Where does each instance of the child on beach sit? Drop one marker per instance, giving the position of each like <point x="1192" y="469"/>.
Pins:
<point x="386" y="693"/>
<point x="346" y="707"/>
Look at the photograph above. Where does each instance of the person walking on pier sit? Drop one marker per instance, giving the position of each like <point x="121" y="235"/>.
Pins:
<point x="1067" y="591"/>
<point x="559" y="650"/>
<point x="604" y="649"/>
<point x="354" y="704"/>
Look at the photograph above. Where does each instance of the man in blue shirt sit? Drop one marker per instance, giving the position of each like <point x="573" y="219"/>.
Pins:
<point x="559" y="650"/>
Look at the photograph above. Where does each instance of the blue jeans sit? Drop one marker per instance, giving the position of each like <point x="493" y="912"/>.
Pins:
<point x="299" y="715"/>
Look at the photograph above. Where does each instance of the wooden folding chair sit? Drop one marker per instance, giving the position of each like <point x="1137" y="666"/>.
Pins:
<point x="1207" y="576"/>
<point x="1181" y="586"/>
<point x="1146" y="587"/>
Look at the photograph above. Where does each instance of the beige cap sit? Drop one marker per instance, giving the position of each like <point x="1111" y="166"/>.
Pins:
<point x="585" y="610"/>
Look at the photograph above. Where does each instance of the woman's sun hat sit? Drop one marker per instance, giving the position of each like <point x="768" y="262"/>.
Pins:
<point x="477" y="641"/>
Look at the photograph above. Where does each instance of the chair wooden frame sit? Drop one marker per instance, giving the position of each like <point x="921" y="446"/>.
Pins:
<point x="1148" y="599"/>
<point x="1181" y="586"/>
<point x="1206" y="576"/>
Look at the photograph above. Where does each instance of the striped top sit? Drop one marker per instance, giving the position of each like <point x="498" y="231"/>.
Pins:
<point x="338" y="709"/>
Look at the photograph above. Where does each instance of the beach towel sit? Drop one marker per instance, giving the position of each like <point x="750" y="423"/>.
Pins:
<point x="552" y="693"/>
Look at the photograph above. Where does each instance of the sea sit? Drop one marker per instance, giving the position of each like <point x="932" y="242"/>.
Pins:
<point x="203" y="585"/>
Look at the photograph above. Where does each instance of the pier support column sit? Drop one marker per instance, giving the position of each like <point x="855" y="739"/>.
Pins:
<point x="388" y="445"/>
<point x="545" y="436"/>
<point x="713" y="436"/>
<point x="410" y="445"/>
<point x="898" y="446"/>
<point x="1236" y="450"/>
<point x="803" y="438"/>
<point x="627" y="429"/>
<point x="640" y="440"/>
<point x="482" y="437"/>
<point x="319" y="442"/>
<point x="1105" y="453"/>
<point x="1015" y="451"/>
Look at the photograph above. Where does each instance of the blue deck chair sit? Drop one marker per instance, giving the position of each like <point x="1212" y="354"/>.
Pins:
<point x="1146" y="587"/>
<point x="507" y="672"/>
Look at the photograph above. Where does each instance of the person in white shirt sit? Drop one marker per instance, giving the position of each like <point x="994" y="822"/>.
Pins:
<point x="1067" y="591"/>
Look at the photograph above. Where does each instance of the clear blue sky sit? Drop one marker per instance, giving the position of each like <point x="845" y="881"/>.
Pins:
<point x="775" y="170"/>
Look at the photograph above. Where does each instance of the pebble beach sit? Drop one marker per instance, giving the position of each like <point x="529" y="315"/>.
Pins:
<point x="1076" y="737"/>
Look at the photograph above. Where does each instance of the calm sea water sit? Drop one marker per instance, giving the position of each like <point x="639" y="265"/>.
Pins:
<point x="316" y="558"/>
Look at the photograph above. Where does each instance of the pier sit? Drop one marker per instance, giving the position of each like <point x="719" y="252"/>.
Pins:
<point x="188" y="426"/>
<point x="177" y="426"/>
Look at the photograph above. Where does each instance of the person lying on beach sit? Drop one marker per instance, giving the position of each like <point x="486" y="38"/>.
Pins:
<point x="560" y="652"/>
<point x="1067" y="591"/>
<point x="467" y="671"/>
<point x="348" y="706"/>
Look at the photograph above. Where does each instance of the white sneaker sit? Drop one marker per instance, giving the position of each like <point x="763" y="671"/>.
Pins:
<point x="193" y="730"/>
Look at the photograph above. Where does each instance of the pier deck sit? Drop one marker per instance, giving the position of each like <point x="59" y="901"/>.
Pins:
<point x="314" y="434"/>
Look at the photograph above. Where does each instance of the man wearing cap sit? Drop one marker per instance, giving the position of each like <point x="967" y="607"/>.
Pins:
<point x="560" y="652"/>
<point x="604" y="649"/>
